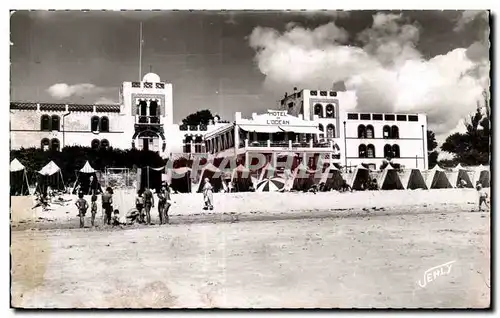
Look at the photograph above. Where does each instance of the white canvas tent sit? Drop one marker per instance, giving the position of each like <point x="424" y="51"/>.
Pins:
<point x="86" y="180"/>
<point x="19" y="184"/>
<point x="332" y="179"/>
<point x="482" y="175"/>
<point x="179" y="179"/>
<point x="412" y="179"/>
<point x="241" y="179"/>
<point x="389" y="179"/>
<point x="459" y="173"/>
<point x="359" y="178"/>
<point x="436" y="179"/>
<point x="50" y="175"/>
<point x="304" y="178"/>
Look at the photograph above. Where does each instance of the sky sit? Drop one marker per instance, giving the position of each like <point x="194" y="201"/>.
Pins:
<point x="435" y="62"/>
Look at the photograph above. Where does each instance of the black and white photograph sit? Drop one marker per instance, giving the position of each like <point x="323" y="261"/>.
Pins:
<point x="250" y="159"/>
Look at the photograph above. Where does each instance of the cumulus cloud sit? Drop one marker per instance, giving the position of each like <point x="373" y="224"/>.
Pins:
<point x="63" y="90"/>
<point x="386" y="72"/>
<point x="469" y="16"/>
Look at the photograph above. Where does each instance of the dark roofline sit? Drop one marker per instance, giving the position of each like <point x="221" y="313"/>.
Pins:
<point x="62" y="106"/>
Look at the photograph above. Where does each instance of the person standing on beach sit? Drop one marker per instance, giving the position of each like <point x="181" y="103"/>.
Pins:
<point x="93" y="208"/>
<point x="82" y="206"/>
<point x="107" y="201"/>
<point x="139" y="205"/>
<point x="483" y="195"/>
<point x="168" y="203"/>
<point x="161" y="204"/>
<point x="208" y="195"/>
<point x="148" y="204"/>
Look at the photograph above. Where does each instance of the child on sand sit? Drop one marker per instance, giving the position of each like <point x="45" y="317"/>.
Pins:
<point x="208" y="195"/>
<point x="139" y="205"/>
<point x="483" y="195"/>
<point x="93" y="208"/>
<point x="82" y="206"/>
<point x="116" y="218"/>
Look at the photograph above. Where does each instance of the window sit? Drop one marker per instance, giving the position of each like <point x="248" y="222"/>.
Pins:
<point x="365" y="116"/>
<point x="299" y="94"/>
<point x="412" y="118"/>
<point x="370" y="151"/>
<point x="198" y="143"/>
<point x="334" y="94"/>
<point x="153" y="108"/>
<point x="387" y="132"/>
<point x="94" y="123"/>
<point x="45" y="123"/>
<point x="187" y="144"/>
<point x="55" y="123"/>
<point x="322" y="93"/>
<point x="95" y="144"/>
<point x="330" y="131"/>
<point x="104" y="144"/>
<point x="394" y="132"/>
<point x="290" y="105"/>
<point x="143" y="106"/>
<point x="55" y="145"/>
<point x="395" y="151"/>
<point x="318" y="110"/>
<point x="45" y="143"/>
<point x="148" y="85"/>
<point x="314" y="93"/>
<point x="389" y="117"/>
<point x="352" y="116"/>
<point x="377" y="117"/>
<point x="388" y="151"/>
<point x="369" y="131"/>
<point x="401" y="117"/>
<point x="104" y="124"/>
<point x="362" y="151"/>
<point x="330" y="111"/>
<point x="321" y="128"/>
<point x="160" y="85"/>
<point x="361" y="131"/>
<point x="136" y="84"/>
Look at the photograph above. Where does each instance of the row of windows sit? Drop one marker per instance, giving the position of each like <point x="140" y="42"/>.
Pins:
<point x="52" y="123"/>
<point x="323" y="93"/>
<point x="95" y="144"/>
<point x="330" y="131"/>
<point x="197" y="144"/>
<point x="388" y="132"/>
<point x="368" y="151"/>
<point x="99" y="124"/>
<point x="148" y="85"/>
<point x="329" y="111"/>
<point x="389" y="117"/>
<point x="53" y="144"/>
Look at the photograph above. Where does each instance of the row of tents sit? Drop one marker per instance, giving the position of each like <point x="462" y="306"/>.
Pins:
<point x="269" y="178"/>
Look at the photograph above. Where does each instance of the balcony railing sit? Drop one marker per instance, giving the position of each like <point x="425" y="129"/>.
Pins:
<point x="286" y="144"/>
<point x="147" y="120"/>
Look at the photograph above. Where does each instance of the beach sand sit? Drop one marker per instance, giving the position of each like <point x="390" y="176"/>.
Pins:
<point x="363" y="250"/>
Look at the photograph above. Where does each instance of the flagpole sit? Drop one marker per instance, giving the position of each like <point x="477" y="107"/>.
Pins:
<point x="140" y="52"/>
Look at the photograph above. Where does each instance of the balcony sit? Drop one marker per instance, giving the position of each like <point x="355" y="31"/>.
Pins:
<point x="147" y="120"/>
<point x="288" y="145"/>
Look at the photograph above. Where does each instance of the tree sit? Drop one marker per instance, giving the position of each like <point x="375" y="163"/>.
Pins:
<point x="473" y="146"/>
<point x="432" y="154"/>
<point x="202" y="117"/>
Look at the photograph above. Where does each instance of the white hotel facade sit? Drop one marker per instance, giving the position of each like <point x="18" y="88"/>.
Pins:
<point x="304" y="124"/>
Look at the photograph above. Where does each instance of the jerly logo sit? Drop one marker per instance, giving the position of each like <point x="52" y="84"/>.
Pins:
<point x="433" y="273"/>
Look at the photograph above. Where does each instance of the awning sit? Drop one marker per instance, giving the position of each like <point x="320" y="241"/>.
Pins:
<point x="301" y="129"/>
<point x="15" y="165"/>
<point x="261" y="129"/>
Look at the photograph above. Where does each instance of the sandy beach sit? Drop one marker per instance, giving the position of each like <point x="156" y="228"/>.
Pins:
<point x="364" y="249"/>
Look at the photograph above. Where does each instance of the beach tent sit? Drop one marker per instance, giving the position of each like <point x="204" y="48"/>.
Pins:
<point x="87" y="180"/>
<point x="332" y="179"/>
<point x="412" y="179"/>
<point x="214" y="174"/>
<point x="179" y="179"/>
<point x="241" y="178"/>
<point x="19" y="184"/>
<point x="150" y="177"/>
<point x="271" y="185"/>
<point x="437" y="179"/>
<point x="304" y="178"/>
<point x="459" y="173"/>
<point x="482" y="175"/>
<point x="268" y="172"/>
<point x="389" y="179"/>
<point x="359" y="178"/>
<point x="50" y="175"/>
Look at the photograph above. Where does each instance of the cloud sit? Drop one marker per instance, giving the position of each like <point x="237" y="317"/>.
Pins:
<point x="386" y="72"/>
<point x="469" y="16"/>
<point x="63" y="90"/>
<point x="105" y="100"/>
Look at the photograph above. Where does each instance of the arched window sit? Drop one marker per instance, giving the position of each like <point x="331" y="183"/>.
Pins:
<point x="55" y="145"/>
<point x="361" y="131"/>
<point x="387" y="132"/>
<point x="321" y="128"/>
<point x="318" y="110"/>
<point x="104" y="124"/>
<point x="187" y="144"/>
<point x="95" y="144"/>
<point x="369" y="131"/>
<point x="362" y="151"/>
<point x="395" y="151"/>
<point x="94" y="124"/>
<point x="330" y="111"/>
<point x="388" y="151"/>
<point x="198" y="141"/>
<point x="45" y="144"/>
<point x="153" y="108"/>
<point x="395" y="132"/>
<point x="104" y="144"/>
<point x="45" y="123"/>
<point x="330" y="131"/>
<point x="370" y="151"/>
<point x="55" y="123"/>
<point x="143" y="108"/>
